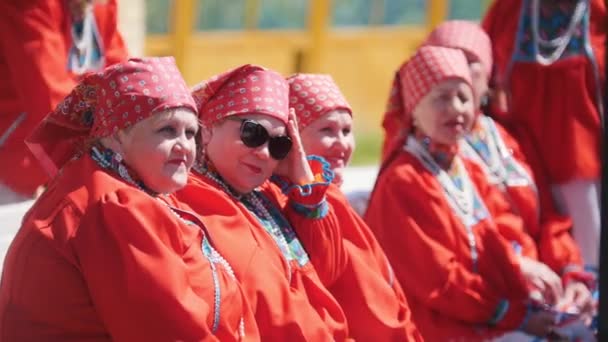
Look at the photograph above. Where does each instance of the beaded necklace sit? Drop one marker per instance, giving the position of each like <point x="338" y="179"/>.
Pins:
<point x="265" y="212"/>
<point x="109" y="160"/>
<point x="462" y="198"/>
<point x="557" y="45"/>
<point x="85" y="54"/>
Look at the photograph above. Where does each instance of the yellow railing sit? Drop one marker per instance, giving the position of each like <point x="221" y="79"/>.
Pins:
<point x="362" y="60"/>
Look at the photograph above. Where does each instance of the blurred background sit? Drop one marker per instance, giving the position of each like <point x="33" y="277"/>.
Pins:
<point x="359" y="42"/>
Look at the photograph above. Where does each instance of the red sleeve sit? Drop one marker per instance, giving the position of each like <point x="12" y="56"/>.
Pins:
<point x="414" y="230"/>
<point x="555" y="244"/>
<point x="318" y="231"/>
<point x="373" y="301"/>
<point x="510" y="225"/>
<point x="31" y="33"/>
<point x="107" y="17"/>
<point x="130" y="255"/>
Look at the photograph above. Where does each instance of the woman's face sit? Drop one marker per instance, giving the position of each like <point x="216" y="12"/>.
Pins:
<point x="243" y="168"/>
<point x="446" y="113"/>
<point x="331" y="137"/>
<point x="161" y="149"/>
<point x="479" y="76"/>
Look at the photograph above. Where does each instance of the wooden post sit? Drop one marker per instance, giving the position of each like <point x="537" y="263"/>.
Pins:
<point x="318" y="27"/>
<point x="436" y="12"/>
<point x="182" y="24"/>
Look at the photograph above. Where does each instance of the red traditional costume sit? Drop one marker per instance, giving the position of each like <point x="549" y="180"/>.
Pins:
<point x="500" y="157"/>
<point x="272" y="245"/>
<point x="100" y="257"/>
<point x="373" y="302"/>
<point x="461" y="277"/>
<point x="549" y="60"/>
<point x="45" y="49"/>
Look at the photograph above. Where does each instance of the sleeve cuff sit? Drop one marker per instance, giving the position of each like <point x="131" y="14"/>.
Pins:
<point x="308" y="195"/>
<point x="509" y="315"/>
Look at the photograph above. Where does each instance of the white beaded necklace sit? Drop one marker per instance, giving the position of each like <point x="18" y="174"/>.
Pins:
<point x="462" y="201"/>
<point x="560" y="43"/>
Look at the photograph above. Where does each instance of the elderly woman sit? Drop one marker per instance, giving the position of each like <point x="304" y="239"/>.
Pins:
<point x="272" y="240"/>
<point x="373" y="302"/>
<point x="107" y="253"/>
<point x="500" y="157"/>
<point x="435" y="213"/>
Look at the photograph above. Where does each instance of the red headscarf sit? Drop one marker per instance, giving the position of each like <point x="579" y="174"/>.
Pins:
<point x="247" y="89"/>
<point x="314" y="95"/>
<point x="457" y="34"/>
<point x="464" y="35"/>
<point x="429" y="66"/>
<point x="106" y="102"/>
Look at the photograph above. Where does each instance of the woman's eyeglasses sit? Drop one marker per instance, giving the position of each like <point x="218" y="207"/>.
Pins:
<point x="253" y="134"/>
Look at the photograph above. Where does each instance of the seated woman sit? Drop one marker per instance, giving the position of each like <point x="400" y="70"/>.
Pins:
<point x="434" y="213"/>
<point x="272" y="241"/>
<point x="546" y="236"/>
<point x="373" y="302"/>
<point x="107" y="253"/>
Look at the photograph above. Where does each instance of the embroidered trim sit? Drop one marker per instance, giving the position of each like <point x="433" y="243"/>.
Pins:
<point x="312" y="212"/>
<point x="308" y="194"/>
<point x="110" y="160"/>
<point x="500" y="312"/>
<point x="263" y="210"/>
<point x="214" y="258"/>
<point x="499" y="165"/>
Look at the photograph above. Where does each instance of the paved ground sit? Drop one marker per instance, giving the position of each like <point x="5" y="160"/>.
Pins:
<point x="356" y="179"/>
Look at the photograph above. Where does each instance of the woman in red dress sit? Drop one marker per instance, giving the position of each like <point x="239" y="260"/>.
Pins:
<point x="374" y="303"/>
<point x="284" y="243"/>
<point x="107" y="253"/>
<point x="499" y="155"/>
<point x="549" y="71"/>
<point x="435" y="214"/>
<point x="47" y="45"/>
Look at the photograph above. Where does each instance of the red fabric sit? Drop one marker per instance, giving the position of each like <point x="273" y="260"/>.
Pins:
<point x="371" y="297"/>
<point x="97" y="259"/>
<point x="296" y="310"/>
<point x="549" y="229"/>
<point x="314" y="95"/>
<point x="561" y="117"/>
<point x="106" y="102"/>
<point x="429" y="66"/>
<point x="34" y="42"/>
<point x="465" y="35"/>
<point x="430" y="252"/>
<point x="244" y="90"/>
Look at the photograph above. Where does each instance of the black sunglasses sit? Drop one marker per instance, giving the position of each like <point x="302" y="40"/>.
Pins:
<point x="253" y="134"/>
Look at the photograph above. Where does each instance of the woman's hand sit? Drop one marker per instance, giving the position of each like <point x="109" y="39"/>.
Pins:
<point x="295" y="165"/>
<point x="543" y="279"/>
<point x="577" y="294"/>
